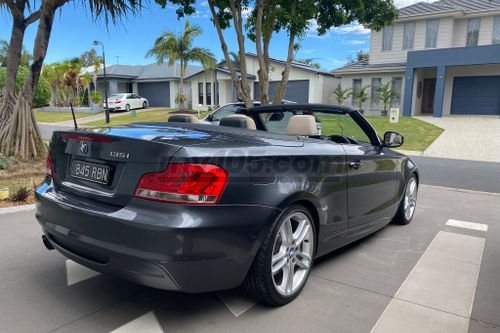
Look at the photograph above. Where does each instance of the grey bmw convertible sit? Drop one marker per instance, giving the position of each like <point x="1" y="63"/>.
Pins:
<point x="254" y="201"/>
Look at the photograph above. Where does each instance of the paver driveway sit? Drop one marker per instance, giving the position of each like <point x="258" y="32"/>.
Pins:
<point x="466" y="137"/>
<point x="424" y="277"/>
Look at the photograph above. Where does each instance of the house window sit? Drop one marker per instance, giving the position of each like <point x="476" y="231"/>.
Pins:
<point x="200" y="93"/>
<point x="356" y="87"/>
<point x="208" y="89"/>
<point x="375" y="93"/>
<point x="496" y="30"/>
<point x="409" y="35"/>
<point x="387" y="38"/>
<point x="473" y="26"/>
<point x="396" y="85"/>
<point x="431" y="34"/>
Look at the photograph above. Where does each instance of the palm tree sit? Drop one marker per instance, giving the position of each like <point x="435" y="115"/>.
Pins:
<point x="361" y="96"/>
<point x="173" y="47"/>
<point x="341" y="94"/>
<point x="386" y="95"/>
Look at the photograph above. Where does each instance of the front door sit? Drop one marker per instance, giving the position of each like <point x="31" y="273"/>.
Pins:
<point x="428" y="92"/>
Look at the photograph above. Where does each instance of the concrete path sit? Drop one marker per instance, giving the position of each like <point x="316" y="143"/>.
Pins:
<point x="466" y="137"/>
<point x="435" y="275"/>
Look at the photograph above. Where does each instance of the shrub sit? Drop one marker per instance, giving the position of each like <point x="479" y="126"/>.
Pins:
<point x="21" y="194"/>
<point x="5" y="162"/>
<point x="96" y="98"/>
<point x="42" y="91"/>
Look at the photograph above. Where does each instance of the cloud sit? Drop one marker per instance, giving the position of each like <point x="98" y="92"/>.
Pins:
<point x="404" y="3"/>
<point x="355" y="42"/>
<point x="353" y="28"/>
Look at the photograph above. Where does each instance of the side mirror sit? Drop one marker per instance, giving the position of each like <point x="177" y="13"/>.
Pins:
<point x="393" y="139"/>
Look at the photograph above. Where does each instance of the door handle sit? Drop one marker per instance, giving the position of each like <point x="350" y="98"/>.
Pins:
<point x="354" y="164"/>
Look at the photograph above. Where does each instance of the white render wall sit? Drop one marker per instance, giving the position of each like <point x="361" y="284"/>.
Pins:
<point x="452" y="33"/>
<point x="347" y="80"/>
<point x="397" y="54"/>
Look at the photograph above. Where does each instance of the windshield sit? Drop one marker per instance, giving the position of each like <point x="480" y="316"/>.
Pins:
<point x="224" y="112"/>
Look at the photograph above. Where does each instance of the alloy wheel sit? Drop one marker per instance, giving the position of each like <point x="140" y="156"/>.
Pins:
<point x="410" y="198"/>
<point x="292" y="253"/>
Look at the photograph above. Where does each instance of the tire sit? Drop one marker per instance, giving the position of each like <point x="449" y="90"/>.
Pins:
<point x="127" y="107"/>
<point x="403" y="216"/>
<point x="144" y="105"/>
<point x="273" y="289"/>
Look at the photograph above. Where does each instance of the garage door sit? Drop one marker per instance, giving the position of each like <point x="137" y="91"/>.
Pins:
<point x="296" y="91"/>
<point x="476" y="95"/>
<point x="157" y="93"/>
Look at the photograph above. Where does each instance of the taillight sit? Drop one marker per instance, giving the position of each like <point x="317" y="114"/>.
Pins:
<point x="184" y="183"/>
<point x="50" y="167"/>
<point x="118" y="101"/>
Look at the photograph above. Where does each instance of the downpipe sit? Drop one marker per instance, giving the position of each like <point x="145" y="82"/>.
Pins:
<point x="47" y="244"/>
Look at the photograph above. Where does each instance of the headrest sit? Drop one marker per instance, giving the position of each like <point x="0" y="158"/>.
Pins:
<point x="238" y="120"/>
<point x="182" y="118"/>
<point x="302" y="125"/>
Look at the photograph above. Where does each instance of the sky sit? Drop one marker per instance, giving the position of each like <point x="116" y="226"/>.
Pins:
<point x="127" y="42"/>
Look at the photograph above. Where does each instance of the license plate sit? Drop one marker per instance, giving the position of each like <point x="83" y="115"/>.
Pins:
<point x="97" y="173"/>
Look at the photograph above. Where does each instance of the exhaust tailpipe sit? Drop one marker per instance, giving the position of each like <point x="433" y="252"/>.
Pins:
<point x="47" y="244"/>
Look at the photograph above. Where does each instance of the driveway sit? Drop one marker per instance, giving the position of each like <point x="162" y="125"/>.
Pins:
<point x="435" y="275"/>
<point x="466" y="137"/>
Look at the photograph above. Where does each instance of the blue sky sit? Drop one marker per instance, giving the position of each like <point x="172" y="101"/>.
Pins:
<point x="74" y="30"/>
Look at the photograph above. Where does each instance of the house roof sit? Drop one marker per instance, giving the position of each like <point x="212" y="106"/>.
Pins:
<point x="365" y="66"/>
<point x="147" y="72"/>
<point x="220" y="70"/>
<point x="444" y="6"/>
<point x="295" y="64"/>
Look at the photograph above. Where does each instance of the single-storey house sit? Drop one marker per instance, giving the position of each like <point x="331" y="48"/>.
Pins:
<point x="442" y="58"/>
<point x="159" y="84"/>
<point x="306" y="84"/>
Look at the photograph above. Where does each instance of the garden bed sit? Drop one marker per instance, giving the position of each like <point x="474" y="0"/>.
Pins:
<point x="28" y="175"/>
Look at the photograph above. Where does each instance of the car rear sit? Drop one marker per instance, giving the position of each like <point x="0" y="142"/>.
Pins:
<point x="132" y="203"/>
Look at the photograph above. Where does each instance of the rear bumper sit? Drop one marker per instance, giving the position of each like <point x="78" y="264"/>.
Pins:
<point x="167" y="246"/>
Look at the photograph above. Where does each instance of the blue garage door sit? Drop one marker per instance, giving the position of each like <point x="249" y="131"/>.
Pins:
<point x="157" y="93"/>
<point x="296" y="90"/>
<point x="476" y="95"/>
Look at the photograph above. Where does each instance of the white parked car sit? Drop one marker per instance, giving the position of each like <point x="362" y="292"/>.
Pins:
<point x="126" y="101"/>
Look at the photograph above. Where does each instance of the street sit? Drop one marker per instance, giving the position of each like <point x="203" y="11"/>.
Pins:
<point x="417" y="277"/>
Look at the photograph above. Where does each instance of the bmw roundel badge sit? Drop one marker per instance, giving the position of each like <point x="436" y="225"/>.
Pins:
<point x="84" y="147"/>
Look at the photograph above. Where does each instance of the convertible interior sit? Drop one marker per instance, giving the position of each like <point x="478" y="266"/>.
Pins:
<point x="301" y="123"/>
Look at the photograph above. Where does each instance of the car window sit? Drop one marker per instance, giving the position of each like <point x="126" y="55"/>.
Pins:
<point x="341" y="124"/>
<point x="134" y="96"/>
<point x="224" y="112"/>
<point x="327" y="124"/>
<point x="117" y="96"/>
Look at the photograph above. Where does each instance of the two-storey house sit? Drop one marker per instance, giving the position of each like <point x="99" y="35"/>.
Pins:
<point x="442" y="58"/>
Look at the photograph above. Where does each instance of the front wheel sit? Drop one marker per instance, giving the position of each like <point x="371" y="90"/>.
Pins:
<point x="407" y="206"/>
<point x="282" y="266"/>
<point x="144" y="105"/>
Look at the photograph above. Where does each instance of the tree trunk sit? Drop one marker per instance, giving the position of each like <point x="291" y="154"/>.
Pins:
<point x="263" y="72"/>
<point x="286" y="72"/>
<point x="19" y="135"/>
<point x="242" y="86"/>
<point x="13" y="61"/>
<point x="181" y="87"/>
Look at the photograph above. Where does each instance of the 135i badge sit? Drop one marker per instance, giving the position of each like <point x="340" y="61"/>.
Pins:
<point x="117" y="154"/>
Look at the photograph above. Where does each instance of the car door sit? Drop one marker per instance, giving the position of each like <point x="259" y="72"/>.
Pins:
<point x="373" y="172"/>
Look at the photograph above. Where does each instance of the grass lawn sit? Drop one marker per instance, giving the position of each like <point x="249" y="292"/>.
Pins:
<point x="418" y="134"/>
<point x="55" y="117"/>
<point x="146" y="116"/>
